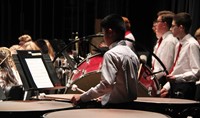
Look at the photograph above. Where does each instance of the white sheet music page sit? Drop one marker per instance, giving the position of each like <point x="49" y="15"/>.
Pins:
<point x="39" y="72"/>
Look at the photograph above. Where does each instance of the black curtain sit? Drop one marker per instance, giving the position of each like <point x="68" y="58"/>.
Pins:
<point x="58" y="19"/>
<point x="190" y="6"/>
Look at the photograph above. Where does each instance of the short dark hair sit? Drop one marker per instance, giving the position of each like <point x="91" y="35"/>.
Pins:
<point x="116" y="23"/>
<point x="167" y="16"/>
<point x="183" y="19"/>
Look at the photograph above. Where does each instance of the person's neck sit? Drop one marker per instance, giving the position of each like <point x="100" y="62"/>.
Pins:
<point x="181" y="36"/>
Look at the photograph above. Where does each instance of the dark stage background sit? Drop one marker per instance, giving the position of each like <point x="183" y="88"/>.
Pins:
<point x="57" y="19"/>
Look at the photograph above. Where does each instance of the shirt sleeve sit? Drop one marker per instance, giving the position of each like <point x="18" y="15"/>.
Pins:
<point x="194" y="62"/>
<point x="108" y="72"/>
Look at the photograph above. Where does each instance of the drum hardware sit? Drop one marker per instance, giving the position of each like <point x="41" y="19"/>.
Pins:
<point x="83" y="72"/>
<point x="85" y="38"/>
<point x="87" y="60"/>
<point x="157" y="72"/>
<point x="150" y="91"/>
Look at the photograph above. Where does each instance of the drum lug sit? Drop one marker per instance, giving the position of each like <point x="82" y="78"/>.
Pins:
<point x="150" y="91"/>
<point x="69" y="83"/>
<point x="83" y="72"/>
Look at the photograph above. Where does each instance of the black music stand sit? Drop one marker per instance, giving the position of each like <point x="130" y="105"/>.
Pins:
<point x="36" y="71"/>
<point x="2" y="94"/>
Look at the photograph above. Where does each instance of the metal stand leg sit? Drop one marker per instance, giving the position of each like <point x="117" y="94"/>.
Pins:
<point x="27" y="95"/>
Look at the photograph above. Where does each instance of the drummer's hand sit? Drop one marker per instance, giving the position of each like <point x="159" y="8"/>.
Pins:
<point x="76" y="99"/>
<point x="98" y="99"/>
<point x="163" y="92"/>
<point x="170" y="78"/>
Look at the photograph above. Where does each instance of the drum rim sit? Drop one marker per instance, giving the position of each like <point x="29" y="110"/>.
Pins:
<point x="102" y="109"/>
<point x="165" y="100"/>
<point x="90" y="56"/>
<point x="36" y="103"/>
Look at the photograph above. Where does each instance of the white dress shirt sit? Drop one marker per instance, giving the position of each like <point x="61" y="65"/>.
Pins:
<point x="165" y="53"/>
<point x="119" y="76"/>
<point x="188" y="63"/>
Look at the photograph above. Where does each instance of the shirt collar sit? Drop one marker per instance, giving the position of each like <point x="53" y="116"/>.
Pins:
<point x="166" y="34"/>
<point x="185" y="38"/>
<point x="122" y="42"/>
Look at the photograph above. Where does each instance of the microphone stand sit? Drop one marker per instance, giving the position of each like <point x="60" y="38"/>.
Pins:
<point x="70" y="61"/>
<point x="87" y="38"/>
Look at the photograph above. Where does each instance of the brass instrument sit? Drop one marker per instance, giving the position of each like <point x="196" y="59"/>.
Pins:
<point x="7" y="78"/>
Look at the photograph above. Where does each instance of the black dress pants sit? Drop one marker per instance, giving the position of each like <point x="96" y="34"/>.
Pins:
<point x="197" y="94"/>
<point x="184" y="90"/>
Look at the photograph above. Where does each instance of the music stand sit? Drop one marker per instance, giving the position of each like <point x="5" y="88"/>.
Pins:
<point x="2" y="94"/>
<point x="36" y="71"/>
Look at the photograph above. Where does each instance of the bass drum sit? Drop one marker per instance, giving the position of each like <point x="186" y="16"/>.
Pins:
<point x="87" y="74"/>
<point x="148" y="84"/>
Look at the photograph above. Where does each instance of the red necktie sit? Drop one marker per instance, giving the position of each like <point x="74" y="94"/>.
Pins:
<point x="177" y="55"/>
<point x="159" y="42"/>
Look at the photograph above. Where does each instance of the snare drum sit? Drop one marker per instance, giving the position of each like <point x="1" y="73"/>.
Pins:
<point x="104" y="113"/>
<point x="176" y="108"/>
<point x="87" y="74"/>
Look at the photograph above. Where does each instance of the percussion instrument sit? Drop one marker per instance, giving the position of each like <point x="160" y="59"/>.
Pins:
<point x="104" y="113"/>
<point x="87" y="74"/>
<point x="9" y="76"/>
<point x="148" y="85"/>
<point x="34" y="109"/>
<point x="173" y="107"/>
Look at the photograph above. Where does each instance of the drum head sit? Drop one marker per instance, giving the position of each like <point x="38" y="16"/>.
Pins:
<point x="31" y="109"/>
<point x="86" y="82"/>
<point x="104" y="113"/>
<point x="176" y="108"/>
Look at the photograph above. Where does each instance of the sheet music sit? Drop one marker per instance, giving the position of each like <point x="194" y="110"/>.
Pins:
<point x="39" y="72"/>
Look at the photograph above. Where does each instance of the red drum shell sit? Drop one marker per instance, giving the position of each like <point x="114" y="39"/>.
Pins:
<point x="88" y="73"/>
<point x="147" y="86"/>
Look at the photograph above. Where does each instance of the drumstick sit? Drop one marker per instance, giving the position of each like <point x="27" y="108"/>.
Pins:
<point x="75" y="88"/>
<point x="53" y="97"/>
<point x="139" y="70"/>
<point x="143" y="60"/>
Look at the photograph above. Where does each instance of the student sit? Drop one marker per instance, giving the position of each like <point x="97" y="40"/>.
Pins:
<point x="197" y="94"/>
<point x="183" y="74"/>
<point x="128" y="33"/>
<point x="165" y="46"/>
<point x="119" y="70"/>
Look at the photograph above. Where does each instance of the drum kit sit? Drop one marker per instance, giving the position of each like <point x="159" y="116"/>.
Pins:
<point x="87" y="74"/>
